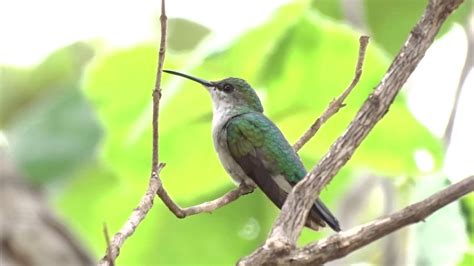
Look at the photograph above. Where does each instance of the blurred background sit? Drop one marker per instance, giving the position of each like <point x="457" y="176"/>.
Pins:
<point x="75" y="114"/>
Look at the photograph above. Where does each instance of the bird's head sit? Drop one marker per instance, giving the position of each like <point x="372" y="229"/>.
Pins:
<point x="229" y="93"/>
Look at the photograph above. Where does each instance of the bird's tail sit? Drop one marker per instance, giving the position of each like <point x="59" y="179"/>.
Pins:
<point x="320" y="212"/>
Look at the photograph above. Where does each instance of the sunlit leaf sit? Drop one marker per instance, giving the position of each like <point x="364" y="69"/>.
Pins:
<point x="390" y="21"/>
<point x="184" y="35"/>
<point x="331" y="8"/>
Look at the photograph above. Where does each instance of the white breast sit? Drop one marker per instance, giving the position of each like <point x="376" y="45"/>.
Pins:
<point x="219" y="135"/>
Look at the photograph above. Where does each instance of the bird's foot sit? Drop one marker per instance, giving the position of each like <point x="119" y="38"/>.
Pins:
<point x="246" y="187"/>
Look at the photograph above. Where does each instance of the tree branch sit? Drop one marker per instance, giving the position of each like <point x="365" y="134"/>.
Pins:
<point x="157" y="90"/>
<point x="146" y="202"/>
<point x="289" y="223"/>
<point x="138" y="214"/>
<point x="338" y="103"/>
<point x="343" y="243"/>
<point x="31" y="233"/>
<point x="208" y="206"/>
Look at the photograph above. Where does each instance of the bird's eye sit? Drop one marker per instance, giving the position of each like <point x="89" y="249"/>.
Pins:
<point x="227" y="88"/>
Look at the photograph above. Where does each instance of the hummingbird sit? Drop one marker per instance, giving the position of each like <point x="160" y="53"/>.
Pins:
<point x="252" y="148"/>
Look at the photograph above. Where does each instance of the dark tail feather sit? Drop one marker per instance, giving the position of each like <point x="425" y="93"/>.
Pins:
<point x="320" y="211"/>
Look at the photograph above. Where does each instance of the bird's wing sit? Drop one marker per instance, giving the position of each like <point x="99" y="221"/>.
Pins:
<point x="262" y="151"/>
<point x="265" y="155"/>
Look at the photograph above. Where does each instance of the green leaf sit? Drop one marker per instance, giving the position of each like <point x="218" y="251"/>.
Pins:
<point x="468" y="258"/>
<point x="467" y="204"/>
<point x="390" y="21"/>
<point x="247" y="54"/>
<point x="55" y="137"/>
<point x="49" y="125"/>
<point x="184" y="35"/>
<point x="331" y="8"/>
<point x="119" y="86"/>
<point x="23" y="87"/>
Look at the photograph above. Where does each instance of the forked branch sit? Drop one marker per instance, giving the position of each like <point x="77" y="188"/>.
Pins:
<point x="343" y="243"/>
<point x="243" y="189"/>
<point x="146" y="202"/>
<point x="289" y="223"/>
<point x="136" y="217"/>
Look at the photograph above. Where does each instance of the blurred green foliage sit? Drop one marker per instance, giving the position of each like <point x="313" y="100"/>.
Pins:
<point x="90" y="130"/>
<point x="390" y="21"/>
<point x="50" y="126"/>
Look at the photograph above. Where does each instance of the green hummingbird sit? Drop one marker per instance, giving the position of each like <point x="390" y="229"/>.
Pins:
<point x="251" y="147"/>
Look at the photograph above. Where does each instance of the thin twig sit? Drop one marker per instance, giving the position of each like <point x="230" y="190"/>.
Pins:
<point x="243" y="189"/>
<point x="146" y="202"/>
<point x="292" y="217"/>
<point x="338" y="103"/>
<point x="157" y="90"/>
<point x="209" y="206"/>
<point x="138" y="214"/>
<point x="108" y="256"/>
<point x="468" y="64"/>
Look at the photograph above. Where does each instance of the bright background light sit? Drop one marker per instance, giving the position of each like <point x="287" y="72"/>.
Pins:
<point x="32" y="29"/>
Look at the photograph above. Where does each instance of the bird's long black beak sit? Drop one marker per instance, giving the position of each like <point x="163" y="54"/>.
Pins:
<point x="198" y="80"/>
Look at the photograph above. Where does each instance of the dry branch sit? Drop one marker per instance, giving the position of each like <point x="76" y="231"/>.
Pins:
<point x="138" y="214"/>
<point x="108" y="256"/>
<point x="338" y="103"/>
<point x="209" y="206"/>
<point x="157" y="90"/>
<point x="289" y="223"/>
<point x="341" y="244"/>
<point x="31" y="233"/>
<point x="155" y="186"/>
<point x="146" y="202"/>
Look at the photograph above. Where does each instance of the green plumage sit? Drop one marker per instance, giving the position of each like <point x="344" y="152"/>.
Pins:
<point x="255" y="135"/>
<point x="251" y="148"/>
